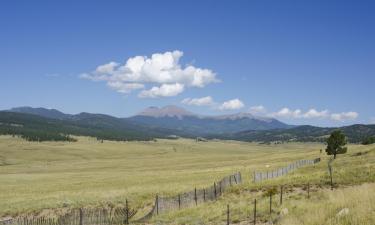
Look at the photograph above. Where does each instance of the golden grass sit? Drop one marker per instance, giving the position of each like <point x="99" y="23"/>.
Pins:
<point x="324" y="207"/>
<point x="37" y="176"/>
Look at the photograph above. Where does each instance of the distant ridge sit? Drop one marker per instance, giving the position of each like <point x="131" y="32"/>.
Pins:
<point x="167" y="111"/>
<point x="179" y="119"/>
<point x="49" y="113"/>
<point x="153" y="122"/>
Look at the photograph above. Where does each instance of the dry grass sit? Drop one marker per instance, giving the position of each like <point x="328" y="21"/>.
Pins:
<point x="37" y="176"/>
<point x="324" y="206"/>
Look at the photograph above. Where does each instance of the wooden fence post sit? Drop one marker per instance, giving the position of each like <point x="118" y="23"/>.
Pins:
<point x="281" y="194"/>
<point x="195" y="196"/>
<point x="215" y="189"/>
<point x="228" y="214"/>
<point x="157" y="205"/>
<point x="204" y="194"/>
<point x="127" y="211"/>
<point x="179" y="201"/>
<point x="255" y="211"/>
<point x="80" y="216"/>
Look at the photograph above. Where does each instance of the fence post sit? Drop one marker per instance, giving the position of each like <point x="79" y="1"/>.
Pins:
<point x="220" y="187"/>
<point x="230" y="180"/>
<point x="179" y="201"/>
<point x="204" y="194"/>
<point x="281" y="194"/>
<point x="127" y="211"/>
<point x="235" y="180"/>
<point x="80" y="216"/>
<point x="215" y="189"/>
<point x="157" y="205"/>
<point x="255" y="211"/>
<point x="228" y="214"/>
<point x="195" y="196"/>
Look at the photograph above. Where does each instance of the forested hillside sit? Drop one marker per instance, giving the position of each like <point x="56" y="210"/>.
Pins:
<point x="36" y="128"/>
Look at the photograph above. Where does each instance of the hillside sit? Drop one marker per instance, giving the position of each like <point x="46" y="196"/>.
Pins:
<point x="49" y="124"/>
<point x="355" y="133"/>
<point x="37" y="128"/>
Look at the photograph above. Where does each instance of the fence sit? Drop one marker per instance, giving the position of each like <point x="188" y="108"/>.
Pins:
<point x="259" y="176"/>
<point x="115" y="216"/>
<point x="265" y="209"/>
<point x="192" y="198"/>
<point x="119" y="216"/>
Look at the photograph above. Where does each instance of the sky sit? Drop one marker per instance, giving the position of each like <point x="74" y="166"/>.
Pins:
<point x="302" y="62"/>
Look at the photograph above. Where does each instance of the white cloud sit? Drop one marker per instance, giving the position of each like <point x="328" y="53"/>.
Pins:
<point x="313" y="113"/>
<point x="165" y="90"/>
<point x="258" y="109"/>
<point x="163" y="69"/>
<point x="344" y="116"/>
<point x="232" y="105"/>
<point x="204" y="101"/>
<point x="287" y="113"/>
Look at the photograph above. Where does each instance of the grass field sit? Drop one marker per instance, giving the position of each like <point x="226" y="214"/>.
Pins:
<point x="37" y="176"/>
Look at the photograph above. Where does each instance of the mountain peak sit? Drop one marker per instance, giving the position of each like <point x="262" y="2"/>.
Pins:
<point x="166" y="111"/>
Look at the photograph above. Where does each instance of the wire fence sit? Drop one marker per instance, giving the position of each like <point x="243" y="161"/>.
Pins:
<point x="192" y="198"/>
<point x="102" y="216"/>
<point x="260" y="176"/>
<point x="265" y="209"/>
<point x="123" y="215"/>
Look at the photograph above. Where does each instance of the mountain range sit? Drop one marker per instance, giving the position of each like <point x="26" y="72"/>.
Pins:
<point x="153" y="122"/>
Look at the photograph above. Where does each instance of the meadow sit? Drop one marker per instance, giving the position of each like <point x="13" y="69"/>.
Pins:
<point x="51" y="175"/>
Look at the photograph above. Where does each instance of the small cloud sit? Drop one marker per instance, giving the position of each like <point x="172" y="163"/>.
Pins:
<point x="165" y="90"/>
<point x="344" y="116"/>
<point x="204" y="101"/>
<point x="233" y="104"/>
<point x="313" y="113"/>
<point x="287" y="113"/>
<point x="257" y="110"/>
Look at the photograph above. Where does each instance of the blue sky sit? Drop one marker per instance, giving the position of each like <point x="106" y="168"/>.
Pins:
<point x="303" y="62"/>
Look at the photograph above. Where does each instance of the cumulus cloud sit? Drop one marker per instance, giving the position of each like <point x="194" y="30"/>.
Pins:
<point x="232" y="105"/>
<point x="313" y="114"/>
<point x="344" y="116"/>
<point x="287" y="113"/>
<point x="258" y="109"/>
<point x="163" y="70"/>
<point x="165" y="90"/>
<point x="204" y="101"/>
